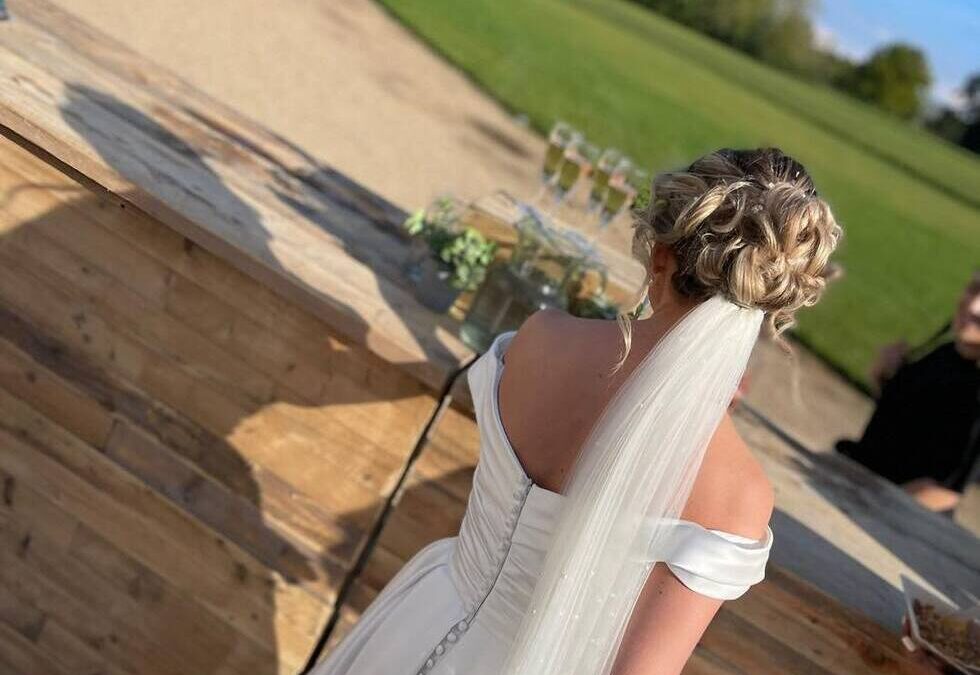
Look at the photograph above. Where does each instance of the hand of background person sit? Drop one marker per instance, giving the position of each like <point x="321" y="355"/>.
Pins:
<point x="931" y="494"/>
<point x="889" y="360"/>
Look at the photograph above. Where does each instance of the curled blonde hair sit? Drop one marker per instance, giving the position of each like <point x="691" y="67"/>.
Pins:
<point x="746" y="224"/>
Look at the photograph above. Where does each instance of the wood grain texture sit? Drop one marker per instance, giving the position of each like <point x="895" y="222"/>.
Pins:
<point x="854" y="534"/>
<point x="265" y="207"/>
<point x="191" y="463"/>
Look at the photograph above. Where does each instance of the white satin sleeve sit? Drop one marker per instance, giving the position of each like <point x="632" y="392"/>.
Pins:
<point x="714" y="563"/>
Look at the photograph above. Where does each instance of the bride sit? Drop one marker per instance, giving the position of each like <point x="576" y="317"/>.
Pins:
<point x="614" y="507"/>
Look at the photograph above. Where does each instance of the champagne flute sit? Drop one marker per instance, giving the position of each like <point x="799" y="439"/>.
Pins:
<point x="577" y="162"/>
<point x="604" y="167"/>
<point x="620" y="192"/>
<point x="559" y="138"/>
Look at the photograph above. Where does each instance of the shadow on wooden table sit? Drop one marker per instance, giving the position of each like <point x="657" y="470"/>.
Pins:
<point x="930" y="545"/>
<point x="834" y="571"/>
<point x="139" y="375"/>
<point x="326" y="195"/>
<point x="331" y="188"/>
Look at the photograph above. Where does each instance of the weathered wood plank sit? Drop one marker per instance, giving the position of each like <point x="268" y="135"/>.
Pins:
<point x="391" y="414"/>
<point x="20" y="616"/>
<point x="169" y="617"/>
<point x="752" y="650"/>
<point x="124" y="310"/>
<point x="307" y="337"/>
<point x="38" y="572"/>
<point x="20" y="655"/>
<point x="703" y="662"/>
<point x="165" y="354"/>
<point x="71" y="653"/>
<point x="70" y="408"/>
<point x="227" y="581"/>
<point x="236" y="518"/>
<point x="283" y="505"/>
<point x="292" y="233"/>
<point x="854" y="534"/>
<point x="823" y="632"/>
<point x="339" y="476"/>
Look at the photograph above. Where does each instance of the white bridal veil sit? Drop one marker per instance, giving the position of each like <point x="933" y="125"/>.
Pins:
<point x="632" y="478"/>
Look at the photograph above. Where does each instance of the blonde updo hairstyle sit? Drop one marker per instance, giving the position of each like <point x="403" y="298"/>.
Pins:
<point x="746" y="224"/>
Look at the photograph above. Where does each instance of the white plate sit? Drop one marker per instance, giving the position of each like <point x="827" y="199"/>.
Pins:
<point x="913" y="592"/>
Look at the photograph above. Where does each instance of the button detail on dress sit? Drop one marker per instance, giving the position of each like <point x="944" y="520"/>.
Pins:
<point x="455" y="632"/>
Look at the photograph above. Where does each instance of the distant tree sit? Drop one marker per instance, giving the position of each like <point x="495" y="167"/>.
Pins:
<point x="971" y="138"/>
<point x="971" y="114"/>
<point x="947" y="123"/>
<point x="834" y="68"/>
<point x="895" y="78"/>
<point x="786" y="41"/>
<point x="780" y="32"/>
<point x="743" y="24"/>
<point x="971" y="92"/>
<point x="960" y="126"/>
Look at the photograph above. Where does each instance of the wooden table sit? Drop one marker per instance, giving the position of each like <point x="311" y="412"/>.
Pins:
<point x="211" y="374"/>
<point x="854" y="534"/>
<point x="219" y="404"/>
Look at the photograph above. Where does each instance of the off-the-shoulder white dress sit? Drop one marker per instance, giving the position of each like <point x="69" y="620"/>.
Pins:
<point x="455" y="606"/>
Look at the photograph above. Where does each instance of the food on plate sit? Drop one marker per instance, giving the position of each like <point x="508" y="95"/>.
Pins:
<point x="957" y="637"/>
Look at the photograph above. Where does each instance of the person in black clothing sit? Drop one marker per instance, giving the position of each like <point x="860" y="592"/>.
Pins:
<point x="924" y="431"/>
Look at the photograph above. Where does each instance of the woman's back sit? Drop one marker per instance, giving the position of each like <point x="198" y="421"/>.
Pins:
<point x="457" y="605"/>
<point x="559" y="379"/>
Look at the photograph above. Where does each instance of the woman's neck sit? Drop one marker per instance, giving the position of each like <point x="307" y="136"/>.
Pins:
<point x="648" y="332"/>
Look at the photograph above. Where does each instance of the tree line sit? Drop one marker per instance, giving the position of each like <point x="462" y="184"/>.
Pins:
<point x="895" y="77"/>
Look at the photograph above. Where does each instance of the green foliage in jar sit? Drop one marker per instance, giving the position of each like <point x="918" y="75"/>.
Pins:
<point x="468" y="254"/>
<point x="465" y="253"/>
<point x="441" y="215"/>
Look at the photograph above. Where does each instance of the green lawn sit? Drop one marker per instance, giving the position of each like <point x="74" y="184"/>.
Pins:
<point x="909" y="203"/>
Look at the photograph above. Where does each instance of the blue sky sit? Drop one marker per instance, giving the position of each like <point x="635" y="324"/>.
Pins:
<point x="948" y="31"/>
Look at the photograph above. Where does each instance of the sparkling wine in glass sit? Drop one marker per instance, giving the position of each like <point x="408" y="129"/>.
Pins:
<point x="576" y="163"/>
<point x="604" y="168"/>
<point x="620" y="192"/>
<point x="559" y="138"/>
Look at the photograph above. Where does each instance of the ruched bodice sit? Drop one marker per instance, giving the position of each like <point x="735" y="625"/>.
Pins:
<point x="455" y="607"/>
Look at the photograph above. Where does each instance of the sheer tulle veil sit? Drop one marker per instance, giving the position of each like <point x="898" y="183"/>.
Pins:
<point x="632" y="478"/>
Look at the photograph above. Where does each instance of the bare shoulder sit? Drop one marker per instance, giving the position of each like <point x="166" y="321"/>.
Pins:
<point x="538" y="333"/>
<point x="732" y="492"/>
<point x="534" y="353"/>
<point x="549" y="336"/>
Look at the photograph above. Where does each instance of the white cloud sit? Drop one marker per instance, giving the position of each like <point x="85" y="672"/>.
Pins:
<point x="949" y="93"/>
<point x="827" y="39"/>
